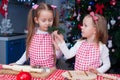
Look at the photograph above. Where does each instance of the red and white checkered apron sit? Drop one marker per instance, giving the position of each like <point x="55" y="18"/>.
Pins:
<point x="88" y="55"/>
<point x="41" y="51"/>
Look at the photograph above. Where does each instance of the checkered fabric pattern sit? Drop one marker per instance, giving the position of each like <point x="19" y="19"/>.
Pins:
<point x="54" y="76"/>
<point x="88" y="55"/>
<point x="57" y="75"/>
<point x="41" y="51"/>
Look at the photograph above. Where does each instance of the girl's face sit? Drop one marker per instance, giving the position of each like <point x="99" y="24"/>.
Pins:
<point x="88" y="29"/>
<point x="44" y="20"/>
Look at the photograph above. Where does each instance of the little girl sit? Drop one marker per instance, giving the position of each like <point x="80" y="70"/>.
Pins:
<point x="39" y="46"/>
<point x="90" y="51"/>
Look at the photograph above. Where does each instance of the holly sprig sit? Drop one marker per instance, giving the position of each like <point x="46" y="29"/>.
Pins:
<point x="54" y="28"/>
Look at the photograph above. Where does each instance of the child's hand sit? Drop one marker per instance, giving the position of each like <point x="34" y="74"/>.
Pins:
<point x="93" y="70"/>
<point x="58" y="38"/>
<point x="55" y="43"/>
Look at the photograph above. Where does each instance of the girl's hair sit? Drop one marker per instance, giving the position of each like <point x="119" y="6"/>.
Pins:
<point x="101" y="27"/>
<point x="31" y="23"/>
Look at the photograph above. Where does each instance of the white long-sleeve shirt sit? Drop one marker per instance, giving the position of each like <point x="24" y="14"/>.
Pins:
<point x="104" y="54"/>
<point x="23" y="58"/>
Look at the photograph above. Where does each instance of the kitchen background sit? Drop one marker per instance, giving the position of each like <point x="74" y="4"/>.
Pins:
<point x="71" y="15"/>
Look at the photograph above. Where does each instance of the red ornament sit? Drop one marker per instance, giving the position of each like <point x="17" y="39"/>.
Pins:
<point x="79" y="26"/>
<point x="78" y="1"/>
<point x="23" y="76"/>
<point x="113" y="2"/>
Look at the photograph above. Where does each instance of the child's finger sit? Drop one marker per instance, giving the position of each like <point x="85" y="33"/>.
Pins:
<point x="93" y="70"/>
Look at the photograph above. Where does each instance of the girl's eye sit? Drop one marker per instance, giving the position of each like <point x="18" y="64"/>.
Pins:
<point x="43" y="20"/>
<point x="50" y="20"/>
<point x="85" y="25"/>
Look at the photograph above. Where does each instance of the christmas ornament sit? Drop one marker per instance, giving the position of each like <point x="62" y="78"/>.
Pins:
<point x="113" y="2"/>
<point x="78" y="1"/>
<point x="108" y="26"/>
<point x="79" y="26"/>
<point x="74" y="15"/>
<point x="109" y="43"/>
<point x="89" y="8"/>
<point x="70" y="28"/>
<point x="118" y="17"/>
<point x="4" y="8"/>
<point x="113" y="50"/>
<point x="73" y="23"/>
<point x="24" y="76"/>
<point x="99" y="8"/>
<point x="68" y="7"/>
<point x="69" y="34"/>
<point x="91" y="3"/>
<point x="113" y="21"/>
<point x="78" y="17"/>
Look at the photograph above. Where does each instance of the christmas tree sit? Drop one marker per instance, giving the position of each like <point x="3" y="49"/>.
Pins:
<point x="110" y="9"/>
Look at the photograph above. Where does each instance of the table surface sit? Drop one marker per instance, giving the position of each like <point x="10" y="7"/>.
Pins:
<point x="56" y="75"/>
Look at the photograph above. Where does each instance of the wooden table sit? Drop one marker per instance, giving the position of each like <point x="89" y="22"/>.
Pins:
<point x="54" y="76"/>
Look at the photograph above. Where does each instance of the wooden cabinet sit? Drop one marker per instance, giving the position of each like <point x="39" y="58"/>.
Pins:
<point x="11" y="50"/>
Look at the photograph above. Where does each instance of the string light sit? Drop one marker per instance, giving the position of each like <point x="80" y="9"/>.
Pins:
<point x="28" y="2"/>
<point x="24" y="0"/>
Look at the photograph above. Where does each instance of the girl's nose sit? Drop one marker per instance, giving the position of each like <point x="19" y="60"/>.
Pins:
<point x="47" y="23"/>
